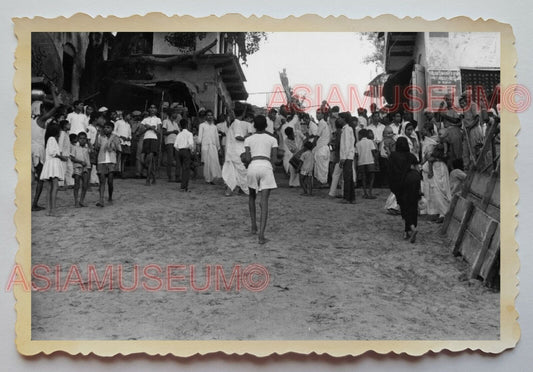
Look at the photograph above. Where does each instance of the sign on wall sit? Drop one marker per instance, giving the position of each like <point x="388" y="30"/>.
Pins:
<point x="441" y="82"/>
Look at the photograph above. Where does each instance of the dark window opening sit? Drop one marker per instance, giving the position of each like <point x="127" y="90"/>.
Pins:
<point x="482" y="83"/>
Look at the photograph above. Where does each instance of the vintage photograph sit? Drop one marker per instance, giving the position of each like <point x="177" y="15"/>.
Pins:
<point x="265" y="185"/>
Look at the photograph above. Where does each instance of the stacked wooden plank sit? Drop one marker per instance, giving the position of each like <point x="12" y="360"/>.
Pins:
<point x="473" y="222"/>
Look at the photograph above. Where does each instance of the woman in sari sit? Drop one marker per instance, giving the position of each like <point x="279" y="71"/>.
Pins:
<point x="436" y="183"/>
<point x="428" y="143"/>
<point x="405" y="185"/>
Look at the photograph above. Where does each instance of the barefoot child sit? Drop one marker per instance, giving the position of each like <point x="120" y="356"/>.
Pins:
<point x="306" y="170"/>
<point x="108" y="144"/>
<point x="81" y="169"/>
<point x="53" y="166"/>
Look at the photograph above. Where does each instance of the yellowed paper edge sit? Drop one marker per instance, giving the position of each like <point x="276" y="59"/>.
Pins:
<point x="509" y="328"/>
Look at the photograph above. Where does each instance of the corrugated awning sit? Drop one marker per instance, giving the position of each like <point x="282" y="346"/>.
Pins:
<point x="375" y="87"/>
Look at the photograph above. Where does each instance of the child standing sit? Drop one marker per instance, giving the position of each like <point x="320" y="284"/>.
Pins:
<point x="108" y="145"/>
<point x="81" y="168"/>
<point x="364" y="150"/>
<point x="92" y="135"/>
<point x="64" y="148"/>
<point x="306" y="170"/>
<point x="123" y="131"/>
<point x="184" y="145"/>
<point x="53" y="166"/>
<point x="170" y="131"/>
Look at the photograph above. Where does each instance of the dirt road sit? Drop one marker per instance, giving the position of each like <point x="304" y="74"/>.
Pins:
<point x="336" y="271"/>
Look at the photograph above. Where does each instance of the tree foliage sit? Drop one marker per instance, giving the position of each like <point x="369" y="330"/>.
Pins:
<point x="248" y="42"/>
<point x="377" y="56"/>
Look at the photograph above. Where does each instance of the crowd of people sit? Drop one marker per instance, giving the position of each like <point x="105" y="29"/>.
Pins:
<point x="80" y="146"/>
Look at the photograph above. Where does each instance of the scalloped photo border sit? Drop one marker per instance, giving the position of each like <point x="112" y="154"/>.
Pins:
<point x="509" y="328"/>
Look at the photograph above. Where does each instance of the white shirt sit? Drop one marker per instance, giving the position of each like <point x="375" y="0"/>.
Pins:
<point x="270" y="126"/>
<point x="250" y="126"/>
<point x="170" y="126"/>
<point x="313" y="128"/>
<point x="123" y="129"/>
<point x="261" y="144"/>
<point x="364" y="148"/>
<point x="395" y="129"/>
<point x="208" y="135"/>
<point x="347" y="150"/>
<point x="234" y="147"/>
<point x="37" y="142"/>
<point x="222" y="127"/>
<point x="64" y="143"/>
<point x="323" y="133"/>
<point x="184" y="140"/>
<point x="362" y="121"/>
<point x="152" y="121"/>
<point x="78" y="122"/>
<point x="37" y="133"/>
<point x="91" y="133"/>
<point x="377" y="130"/>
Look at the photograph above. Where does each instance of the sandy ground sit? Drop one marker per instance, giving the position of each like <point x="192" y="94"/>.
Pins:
<point x="336" y="271"/>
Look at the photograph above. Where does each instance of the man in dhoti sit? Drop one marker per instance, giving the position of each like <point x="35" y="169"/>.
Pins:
<point x="321" y="150"/>
<point x="233" y="170"/>
<point x="210" y="145"/>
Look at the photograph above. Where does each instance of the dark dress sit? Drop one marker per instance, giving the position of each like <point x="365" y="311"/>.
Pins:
<point x="398" y="167"/>
<point x="409" y="197"/>
<point x="405" y="182"/>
